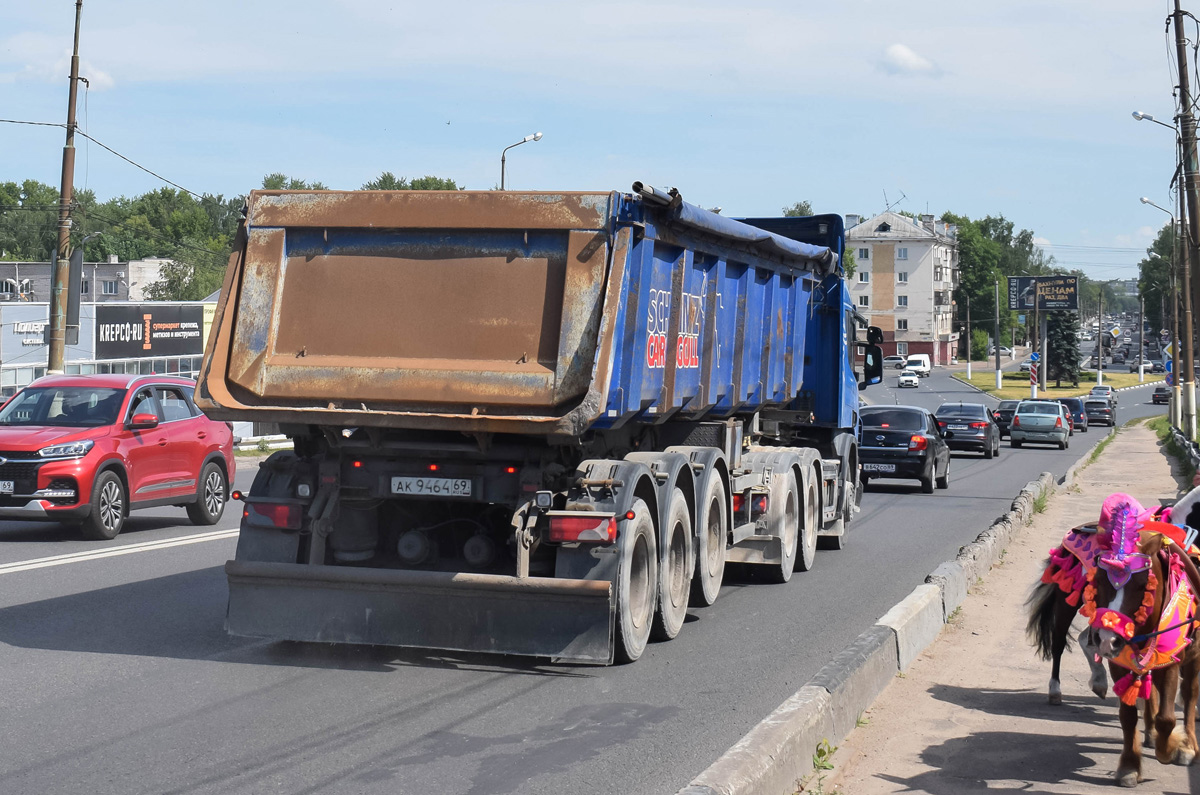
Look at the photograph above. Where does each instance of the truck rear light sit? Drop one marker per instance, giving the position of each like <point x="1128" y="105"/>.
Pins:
<point x="739" y="502"/>
<point x="587" y="528"/>
<point x="285" y="516"/>
<point x="916" y="442"/>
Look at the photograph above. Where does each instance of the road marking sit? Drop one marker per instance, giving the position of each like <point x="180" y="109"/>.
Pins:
<point x="128" y="549"/>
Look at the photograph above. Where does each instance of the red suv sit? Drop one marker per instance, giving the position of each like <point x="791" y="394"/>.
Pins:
<point x="87" y="449"/>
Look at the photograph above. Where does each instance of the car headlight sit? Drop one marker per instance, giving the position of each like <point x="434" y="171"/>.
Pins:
<point x="68" y="450"/>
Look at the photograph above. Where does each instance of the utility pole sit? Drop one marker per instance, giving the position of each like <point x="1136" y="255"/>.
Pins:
<point x="58" y="292"/>
<point x="969" y="352"/>
<point x="1188" y="128"/>
<point x="996" y="334"/>
<point x="1178" y="254"/>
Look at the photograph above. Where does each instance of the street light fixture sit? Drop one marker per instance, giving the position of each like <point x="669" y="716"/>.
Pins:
<point x="537" y="136"/>
<point x="1176" y="347"/>
<point x="1137" y="114"/>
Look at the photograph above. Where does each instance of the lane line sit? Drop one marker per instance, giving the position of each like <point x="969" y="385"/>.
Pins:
<point x="128" y="549"/>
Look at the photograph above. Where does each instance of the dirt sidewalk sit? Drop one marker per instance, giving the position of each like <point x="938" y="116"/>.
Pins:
<point x="971" y="714"/>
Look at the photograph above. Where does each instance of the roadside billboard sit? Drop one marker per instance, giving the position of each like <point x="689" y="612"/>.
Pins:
<point x="133" y="331"/>
<point x="1049" y="293"/>
<point x="22" y="334"/>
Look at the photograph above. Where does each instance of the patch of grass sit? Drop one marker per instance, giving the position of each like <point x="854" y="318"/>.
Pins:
<point x="1015" y="385"/>
<point x="1098" y="449"/>
<point x="823" y="758"/>
<point x="1041" y="501"/>
<point x="862" y="721"/>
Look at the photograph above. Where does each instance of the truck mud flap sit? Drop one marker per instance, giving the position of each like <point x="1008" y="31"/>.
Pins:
<point x="564" y="620"/>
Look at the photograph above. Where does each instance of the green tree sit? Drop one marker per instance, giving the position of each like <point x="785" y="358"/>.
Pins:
<point x="1062" y="347"/>
<point x="28" y="220"/>
<point x="279" y="181"/>
<point x="389" y="181"/>
<point x="979" y="345"/>
<point x="798" y="210"/>
<point x="1154" y="278"/>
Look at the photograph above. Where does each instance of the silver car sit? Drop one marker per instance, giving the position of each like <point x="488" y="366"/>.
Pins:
<point x="1042" y="421"/>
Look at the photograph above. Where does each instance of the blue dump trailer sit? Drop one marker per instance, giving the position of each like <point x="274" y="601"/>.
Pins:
<point x="530" y="423"/>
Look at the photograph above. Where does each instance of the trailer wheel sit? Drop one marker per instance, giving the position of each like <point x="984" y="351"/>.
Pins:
<point x="674" y="571"/>
<point x="713" y="538"/>
<point x="637" y="584"/>
<point x="807" y="552"/>
<point x="785" y="524"/>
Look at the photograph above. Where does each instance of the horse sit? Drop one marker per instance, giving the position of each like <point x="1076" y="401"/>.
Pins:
<point x="1053" y="604"/>
<point x="1141" y="600"/>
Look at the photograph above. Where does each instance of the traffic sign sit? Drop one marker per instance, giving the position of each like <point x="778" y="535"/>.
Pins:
<point x="1035" y="357"/>
<point x="1170" y="379"/>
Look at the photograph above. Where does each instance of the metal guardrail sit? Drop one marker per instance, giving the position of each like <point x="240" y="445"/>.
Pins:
<point x="1190" y="449"/>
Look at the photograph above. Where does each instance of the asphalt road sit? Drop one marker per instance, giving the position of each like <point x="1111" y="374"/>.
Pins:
<point x="119" y="678"/>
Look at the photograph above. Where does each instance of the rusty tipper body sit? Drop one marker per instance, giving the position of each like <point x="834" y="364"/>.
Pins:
<point x="529" y="423"/>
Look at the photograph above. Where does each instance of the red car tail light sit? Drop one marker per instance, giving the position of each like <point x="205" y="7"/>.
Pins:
<point x="597" y="528"/>
<point x="1016" y="421"/>
<point x="918" y="442"/>
<point x="979" y="424"/>
<point x="1058" y="422"/>
<point x="283" y="515"/>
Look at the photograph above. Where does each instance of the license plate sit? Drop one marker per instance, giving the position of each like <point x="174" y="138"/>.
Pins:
<point x="879" y="467"/>
<point x="6" y="487"/>
<point x="958" y="427"/>
<point x="432" y="487"/>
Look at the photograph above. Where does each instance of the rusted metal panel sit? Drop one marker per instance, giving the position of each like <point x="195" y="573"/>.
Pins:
<point x="409" y="209"/>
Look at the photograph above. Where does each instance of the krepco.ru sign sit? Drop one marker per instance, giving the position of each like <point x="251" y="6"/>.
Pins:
<point x="140" y="330"/>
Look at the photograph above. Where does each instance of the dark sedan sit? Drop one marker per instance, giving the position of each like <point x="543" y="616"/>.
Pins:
<point x="972" y="426"/>
<point x="1162" y="394"/>
<point x="1077" y="413"/>
<point x="903" y="442"/>
<point x="1099" y="411"/>
<point x="1003" y="415"/>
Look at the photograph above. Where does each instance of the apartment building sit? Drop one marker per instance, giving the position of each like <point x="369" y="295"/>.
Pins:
<point x="906" y="273"/>
<point x="111" y="280"/>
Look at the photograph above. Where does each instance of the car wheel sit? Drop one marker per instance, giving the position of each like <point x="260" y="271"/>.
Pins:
<point x="944" y="481"/>
<point x="927" y="481"/>
<point x="1014" y="443"/>
<point x="109" y="508"/>
<point x="210" y="496"/>
<point x="987" y="451"/>
<point x="997" y="452"/>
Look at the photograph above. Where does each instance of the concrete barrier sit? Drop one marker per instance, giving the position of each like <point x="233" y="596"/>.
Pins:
<point x="951" y="580"/>
<point x="775" y="753"/>
<point x="917" y="620"/>
<point x="857" y="674"/>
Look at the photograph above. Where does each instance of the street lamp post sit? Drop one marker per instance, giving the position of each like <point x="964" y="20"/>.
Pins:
<point x="537" y="136"/>
<point x="1175" y="410"/>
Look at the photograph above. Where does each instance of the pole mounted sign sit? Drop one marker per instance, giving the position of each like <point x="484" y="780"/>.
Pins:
<point x="1044" y="293"/>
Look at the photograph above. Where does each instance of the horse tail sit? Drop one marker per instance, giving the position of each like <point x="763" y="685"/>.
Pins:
<point x="1041" y="605"/>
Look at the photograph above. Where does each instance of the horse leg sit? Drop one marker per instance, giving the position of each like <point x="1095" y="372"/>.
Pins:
<point x="1129" y="768"/>
<point x="1189" y="686"/>
<point x="1168" y="742"/>
<point x="1064" y="614"/>
<point x="1091" y="651"/>
<point x="1151" y="711"/>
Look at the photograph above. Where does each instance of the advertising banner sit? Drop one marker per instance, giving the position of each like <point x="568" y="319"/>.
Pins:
<point x="1049" y="292"/>
<point x="129" y="331"/>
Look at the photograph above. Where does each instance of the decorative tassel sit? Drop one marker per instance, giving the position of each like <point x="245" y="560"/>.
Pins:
<point x="1128" y="689"/>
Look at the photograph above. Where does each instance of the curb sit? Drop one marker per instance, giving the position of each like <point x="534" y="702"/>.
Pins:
<point x="776" y="754"/>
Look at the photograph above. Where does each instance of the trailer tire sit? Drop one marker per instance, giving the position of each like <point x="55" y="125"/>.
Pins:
<point x="785" y="525"/>
<point x="712" y="543"/>
<point x="674" y="570"/>
<point x="637" y="584"/>
<point x="806" y="554"/>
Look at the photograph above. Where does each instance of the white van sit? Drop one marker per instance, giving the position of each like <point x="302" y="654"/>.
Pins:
<point x="919" y="364"/>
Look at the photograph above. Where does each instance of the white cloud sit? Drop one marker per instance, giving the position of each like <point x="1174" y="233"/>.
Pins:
<point x="37" y="58"/>
<point x="1041" y="241"/>
<point x="901" y="60"/>
<point x="1147" y="231"/>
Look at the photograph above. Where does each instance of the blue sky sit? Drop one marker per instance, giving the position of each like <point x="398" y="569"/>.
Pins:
<point x="1019" y="108"/>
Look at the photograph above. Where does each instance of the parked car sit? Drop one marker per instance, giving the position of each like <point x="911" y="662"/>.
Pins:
<point x="1162" y="394"/>
<point x="1004" y="350"/>
<point x="908" y="378"/>
<point x="1076" y="412"/>
<point x="1040" y="421"/>
<point x="896" y="362"/>
<point x="87" y="449"/>
<point x="1100" y="411"/>
<point x="1026" y="364"/>
<point x="1003" y="415"/>
<point x="904" y="442"/>
<point x="972" y="426"/>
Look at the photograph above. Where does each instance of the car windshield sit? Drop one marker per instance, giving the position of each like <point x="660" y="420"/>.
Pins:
<point x="66" y="406"/>
<point x="900" y="419"/>
<point x="1038" y="408"/>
